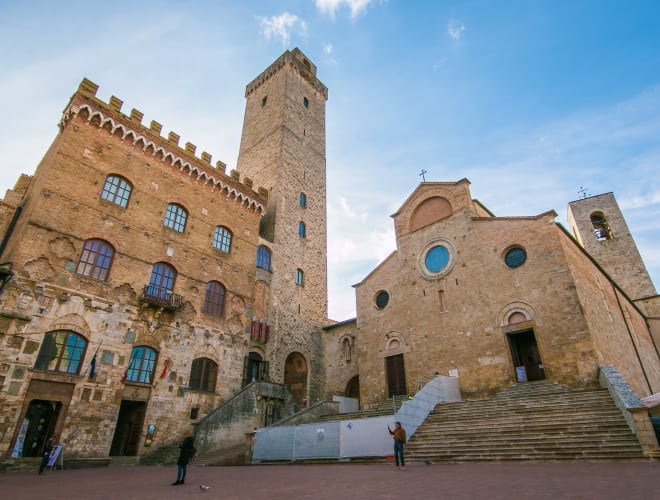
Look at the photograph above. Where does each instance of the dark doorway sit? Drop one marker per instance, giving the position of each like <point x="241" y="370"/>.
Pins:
<point x="254" y="368"/>
<point x="129" y="427"/>
<point x="396" y="375"/>
<point x="41" y="416"/>
<point x="353" y="388"/>
<point x="526" y="357"/>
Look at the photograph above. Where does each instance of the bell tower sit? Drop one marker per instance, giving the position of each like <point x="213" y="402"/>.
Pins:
<point x="283" y="149"/>
<point x="598" y="225"/>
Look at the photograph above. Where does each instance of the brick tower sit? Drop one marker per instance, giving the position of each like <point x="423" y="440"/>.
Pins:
<point x="283" y="149"/>
<point x="598" y="225"/>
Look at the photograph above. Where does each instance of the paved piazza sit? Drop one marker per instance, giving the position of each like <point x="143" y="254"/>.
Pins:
<point x="358" y="481"/>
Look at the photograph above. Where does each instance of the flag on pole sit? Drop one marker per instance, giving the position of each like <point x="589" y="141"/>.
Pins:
<point x="163" y="374"/>
<point x="92" y="367"/>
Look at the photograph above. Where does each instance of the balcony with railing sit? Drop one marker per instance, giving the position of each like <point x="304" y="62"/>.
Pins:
<point x="162" y="297"/>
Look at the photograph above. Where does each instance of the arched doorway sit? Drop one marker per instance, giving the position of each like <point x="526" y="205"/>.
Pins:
<point x="295" y="377"/>
<point x="353" y="388"/>
<point x="41" y="417"/>
<point x="255" y="368"/>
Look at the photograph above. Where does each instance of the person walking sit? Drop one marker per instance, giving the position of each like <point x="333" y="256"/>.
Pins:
<point x="45" y="454"/>
<point x="399" y="435"/>
<point x="185" y="457"/>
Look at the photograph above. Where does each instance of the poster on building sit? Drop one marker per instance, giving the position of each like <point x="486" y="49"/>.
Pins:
<point x="54" y="454"/>
<point x="20" y="440"/>
<point x="521" y="373"/>
<point x="151" y="430"/>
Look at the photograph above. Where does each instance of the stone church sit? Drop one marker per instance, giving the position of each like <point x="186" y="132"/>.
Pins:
<point x="147" y="292"/>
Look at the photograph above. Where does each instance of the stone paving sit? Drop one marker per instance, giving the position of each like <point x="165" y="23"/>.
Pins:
<point x="583" y="480"/>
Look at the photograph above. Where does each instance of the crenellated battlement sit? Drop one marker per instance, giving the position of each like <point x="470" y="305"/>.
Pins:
<point x="299" y="62"/>
<point x="84" y="104"/>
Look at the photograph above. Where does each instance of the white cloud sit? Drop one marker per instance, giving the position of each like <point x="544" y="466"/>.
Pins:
<point x="329" y="7"/>
<point x="327" y="48"/>
<point x="455" y="29"/>
<point x="640" y="201"/>
<point x="282" y="26"/>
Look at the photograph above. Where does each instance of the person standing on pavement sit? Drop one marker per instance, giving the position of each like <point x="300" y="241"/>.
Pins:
<point x="185" y="457"/>
<point x="45" y="454"/>
<point x="399" y="435"/>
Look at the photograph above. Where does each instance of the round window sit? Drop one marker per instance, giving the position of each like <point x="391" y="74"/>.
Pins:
<point x="515" y="257"/>
<point x="382" y="298"/>
<point x="436" y="259"/>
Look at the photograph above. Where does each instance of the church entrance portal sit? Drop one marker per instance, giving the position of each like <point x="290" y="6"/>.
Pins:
<point x="526" y="357"/>
<point x="295" y="377"/>
<point x="396" y="376"/>
<point x="129" y="427"/>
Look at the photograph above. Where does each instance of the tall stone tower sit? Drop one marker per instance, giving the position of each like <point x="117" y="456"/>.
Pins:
<point x="283" y="149"/>
<point x="598" y="225"/>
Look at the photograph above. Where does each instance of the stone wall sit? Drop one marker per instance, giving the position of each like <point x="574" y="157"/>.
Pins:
<point x="342" y="358"/>
<point x="619" y="330"/>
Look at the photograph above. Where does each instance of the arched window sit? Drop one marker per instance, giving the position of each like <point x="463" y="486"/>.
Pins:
<point x="61" y="351"/>
<point x="116" y="190"/>
<point x="601" y="227"/>
<point x="222" y="239"/>
<point x="161" y="282"/>
<point x="95" y="259"/>
<point x="214" y="300"/>
<point x="203" y="374"/>
<point x="303" y="200"/>
<point x="175" y="217"/>
<point x="263" y="258"/>
<point x="141" y="367"/>
<point x="300" y="277"/>
<point x="301" y="229"/>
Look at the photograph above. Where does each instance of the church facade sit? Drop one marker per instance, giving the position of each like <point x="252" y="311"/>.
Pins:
<point x="144" y="285"/>
<point x="502" y="300"/>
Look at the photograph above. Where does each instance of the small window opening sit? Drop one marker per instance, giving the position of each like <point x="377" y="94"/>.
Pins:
<point x="305" y="102"/>
<point x="194" y="413"/>
<point x="441" y="298"/>
<point x="264" y="101"/>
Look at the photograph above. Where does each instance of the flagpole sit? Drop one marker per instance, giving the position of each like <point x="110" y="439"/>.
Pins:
<point x="93" y="358"/>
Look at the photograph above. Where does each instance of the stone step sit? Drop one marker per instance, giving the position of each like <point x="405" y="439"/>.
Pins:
<point x="540" y="422"/>
<point x="232" y="455"/>
<point x="497" y="423"/>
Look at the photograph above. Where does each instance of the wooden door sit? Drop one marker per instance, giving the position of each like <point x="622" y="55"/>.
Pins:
<point x="396" y="375"/>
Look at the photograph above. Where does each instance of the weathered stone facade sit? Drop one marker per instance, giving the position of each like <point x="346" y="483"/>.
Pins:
<point x="283" y="149"/>
<point x="492" y="300"/>
<point x="64" y="209"/>
<point x="490" y="320"/>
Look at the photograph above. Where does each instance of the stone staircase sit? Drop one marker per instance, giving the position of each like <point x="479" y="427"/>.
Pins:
<point x="534" y="421"/>
<point x="385" y="407"/>
<point x="233" y="455"/>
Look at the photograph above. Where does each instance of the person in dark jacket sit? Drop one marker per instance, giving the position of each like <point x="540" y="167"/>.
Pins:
<point x="185" y="457"/>
<point x="45" y="454"/>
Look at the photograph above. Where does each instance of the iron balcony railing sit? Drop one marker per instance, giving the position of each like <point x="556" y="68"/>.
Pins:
<point x="163" y="297"/>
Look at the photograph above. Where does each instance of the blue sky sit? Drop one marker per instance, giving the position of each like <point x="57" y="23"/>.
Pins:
<point x="529" y="99"/>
